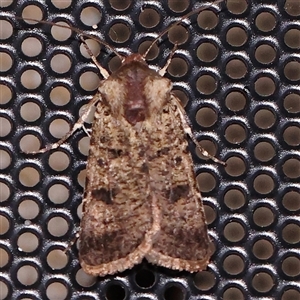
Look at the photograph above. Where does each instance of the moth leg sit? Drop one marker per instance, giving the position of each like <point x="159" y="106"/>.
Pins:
<point x="78" y="125"/>
<point x="188" y="131"/>
<point x="162" y="71"/>
<point x="103" y="71"/>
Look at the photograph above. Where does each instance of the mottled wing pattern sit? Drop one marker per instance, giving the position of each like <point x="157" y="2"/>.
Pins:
<point x="117" y="226"/>
<point x="183" y="242"/>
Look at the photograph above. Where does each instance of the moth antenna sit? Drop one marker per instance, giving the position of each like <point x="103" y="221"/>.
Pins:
<point x="80" y="32"/>
<point x="186" y="16"/>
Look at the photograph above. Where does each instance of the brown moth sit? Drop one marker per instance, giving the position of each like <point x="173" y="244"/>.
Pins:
<point x="141" y="198"/>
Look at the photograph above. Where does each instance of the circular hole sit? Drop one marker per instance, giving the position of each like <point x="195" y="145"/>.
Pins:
<point x="84" y="145"/>
<point x="290" y="294"/>
<point x="207" y="20"/>
<point x="84" y="279"/>
<point x="292" y="38"/>
<point x="206" y="182"/>
<point x="6" y="29"/>
<point x="27" y="242"/>
<point x="29" y="143"/>
<point x="178" y="35"/>
<point x="58" y="193"/>
<point x="31" y="79"/>
<point x="264" y="151"/>
<point x="291" y="201"/>
<point x="207" y="52"/>
<point x="114" y="64"/>
<point x="59" y="33"/>
<point x="60" y="95"/>
<point x="31" y="46"/>
<point x="5" y="127"/>
<point x="292" y="70"/>
<point x="56" y="290"/>
<point x="27" y="275"/>
<point x="57" y="259"/>
<point x="264" y="118"/>
<point x="89" y="81"/>
<point x="59" y="161"/>
<point x="292" y="103"/>
<point x="204" y="280"/>
<point x="206" y="117"/>
<point x="5" y="92"/>
<point x="233" y="264"/>
<point x="149" y="18"/>
<point x="292" y="8"/>
<point x="145" y="278"/>
<point x="4" y="289"/>
<point x="263" y="216"/>
<point x="263" y="249"/>
<point x="178" y="67"/>
<point x="4" y="259"/>
<point x="235" y="166"/>
<point x="32" y="12"/>
<point x="209" y="146"/>
<point x="90" y="16"/>
<point x="291" y="135"/>
<point x="93" y="45"/>
<point x="30" y="111"/>
<point x="234" y="199"/>
<point x="4" y="192"/>
<point x="291" y="266"/>
<point x="57" y="226"/>
<point x="173" y="293"/>
<point x="235" y="133"/>
<point x="29" y="177"/>
<point x="4" y="225"/>
<point x="5" y="159"/>
<point x="120" y="4"/>
<point x="28" y="209"/>
<point x="291" y="168"/>
<point x="81" y="178"/>
<point x="237" y="7"/>
<point x="236" y="69"/>
<point x="263" y="184"/>
<point x="115" y="291"/>
<point x="236" y="36"/>
<point x="265" y="21"/>
<point x="264" y="86"/>
<point x="233" y="293"/>
<point x="152" y="54"/>
<point x="183" y="98"/>
<point x="178" y="6"/>
<point x="58" y="128"/>
<point x="60" y="63"/>
<point x="234" y="232"/>
<point x="290" y="233"/>
<point x="235" y="101"/>
<point x="119" y="33"/>
<point x="210" y="214"/>
<point x="262" y="282"/>
<point x="61" y="4"/>
<point x="265" y="54"/>
<point x="5" y="62"/>
<point x="206" y="84"/>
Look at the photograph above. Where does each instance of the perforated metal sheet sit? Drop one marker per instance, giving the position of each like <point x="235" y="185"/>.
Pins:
<point x="237" y="71"/>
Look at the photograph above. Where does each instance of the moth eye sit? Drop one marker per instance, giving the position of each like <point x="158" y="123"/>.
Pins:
<point x="165" y="110"/>
<point x="178" y="160"/>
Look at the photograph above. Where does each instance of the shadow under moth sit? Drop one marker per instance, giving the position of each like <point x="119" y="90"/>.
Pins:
<point x="141" y="198"/>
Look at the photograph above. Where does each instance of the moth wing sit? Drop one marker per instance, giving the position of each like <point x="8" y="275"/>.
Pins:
<point x="183" y="241"/>
<point x="117" y="225"/>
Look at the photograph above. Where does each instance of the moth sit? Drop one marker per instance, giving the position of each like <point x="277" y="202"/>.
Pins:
<point x="141" y="198"/>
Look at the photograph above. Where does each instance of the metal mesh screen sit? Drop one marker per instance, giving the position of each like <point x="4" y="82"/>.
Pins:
<point x="237" y="72"/>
